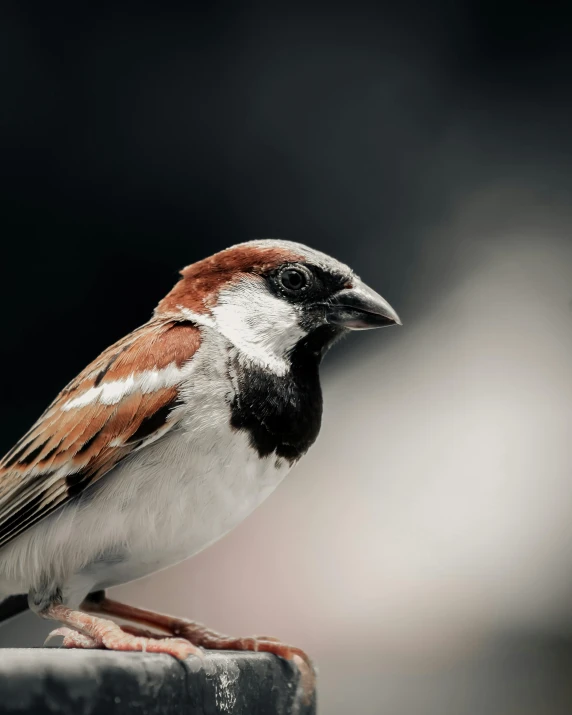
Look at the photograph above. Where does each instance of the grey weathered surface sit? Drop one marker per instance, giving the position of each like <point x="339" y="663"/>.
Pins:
<point x="92" y="682"/>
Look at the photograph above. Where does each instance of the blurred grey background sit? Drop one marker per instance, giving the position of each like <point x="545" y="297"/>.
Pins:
<point x="421" y="552"/>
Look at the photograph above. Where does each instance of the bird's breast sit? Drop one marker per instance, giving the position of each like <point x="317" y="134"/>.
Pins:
<point x="185" y="491"/>
<point x="191" y="491"/>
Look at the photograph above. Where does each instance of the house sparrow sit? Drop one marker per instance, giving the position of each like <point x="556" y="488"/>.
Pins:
<point x="171" y="437"/>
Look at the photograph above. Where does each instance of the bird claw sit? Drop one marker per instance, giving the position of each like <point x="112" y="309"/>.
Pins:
<point x="200" y="636"/>
<point x="72" y="639"/>
<point x="63" y="632"/>
<point x="307" y="683"/>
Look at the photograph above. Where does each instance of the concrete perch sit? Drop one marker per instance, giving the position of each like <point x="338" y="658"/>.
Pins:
<point x="97" y="682"/>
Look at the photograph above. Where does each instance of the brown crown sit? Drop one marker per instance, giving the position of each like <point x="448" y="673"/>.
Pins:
<point x="201" y="282"/>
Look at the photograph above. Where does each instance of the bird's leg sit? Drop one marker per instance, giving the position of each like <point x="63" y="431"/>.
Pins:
<point x="203" y="637"/>
<point x="82" y="630"/>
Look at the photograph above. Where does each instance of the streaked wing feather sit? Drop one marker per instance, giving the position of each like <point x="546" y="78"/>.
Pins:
<point x="74" y="444"/>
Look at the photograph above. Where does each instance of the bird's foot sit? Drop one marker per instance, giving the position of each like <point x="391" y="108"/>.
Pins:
<point x="82" y="630"/>
<point x="201" y="637"/>
<point x="198" y="635"/>
<point x="76" y="639"/>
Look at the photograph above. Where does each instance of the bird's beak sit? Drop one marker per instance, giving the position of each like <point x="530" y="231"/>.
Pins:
<point x="360" y="308"/>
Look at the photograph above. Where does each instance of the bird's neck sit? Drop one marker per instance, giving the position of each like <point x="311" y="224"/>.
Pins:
<point x="282" y="412"/>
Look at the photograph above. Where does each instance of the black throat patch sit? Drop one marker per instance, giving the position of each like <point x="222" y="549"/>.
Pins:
<point x="283" y="414"/>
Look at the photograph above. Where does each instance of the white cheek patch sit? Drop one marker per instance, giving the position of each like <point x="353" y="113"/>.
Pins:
<point x="261" y="325"/>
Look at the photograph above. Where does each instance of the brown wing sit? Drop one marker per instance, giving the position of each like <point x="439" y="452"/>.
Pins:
<point x="123" y="400"/>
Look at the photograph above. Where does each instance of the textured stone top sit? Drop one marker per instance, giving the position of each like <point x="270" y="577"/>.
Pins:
<point x="91" y="682"/>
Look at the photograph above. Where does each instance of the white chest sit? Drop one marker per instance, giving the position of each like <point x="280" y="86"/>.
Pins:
<point x="182" y="493"/>
<point x="196" y="487"/>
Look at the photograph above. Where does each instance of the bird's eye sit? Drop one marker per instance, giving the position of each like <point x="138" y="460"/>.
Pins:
<point x="293" y="279"/>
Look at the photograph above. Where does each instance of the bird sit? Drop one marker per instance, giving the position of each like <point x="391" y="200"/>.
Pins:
<point x="170" y="438"/>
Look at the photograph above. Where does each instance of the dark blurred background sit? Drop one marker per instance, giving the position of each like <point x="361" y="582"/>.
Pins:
<point x="422" y="552"/>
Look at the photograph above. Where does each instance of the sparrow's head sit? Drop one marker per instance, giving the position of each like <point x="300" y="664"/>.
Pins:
<point x="267" y="296"/>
